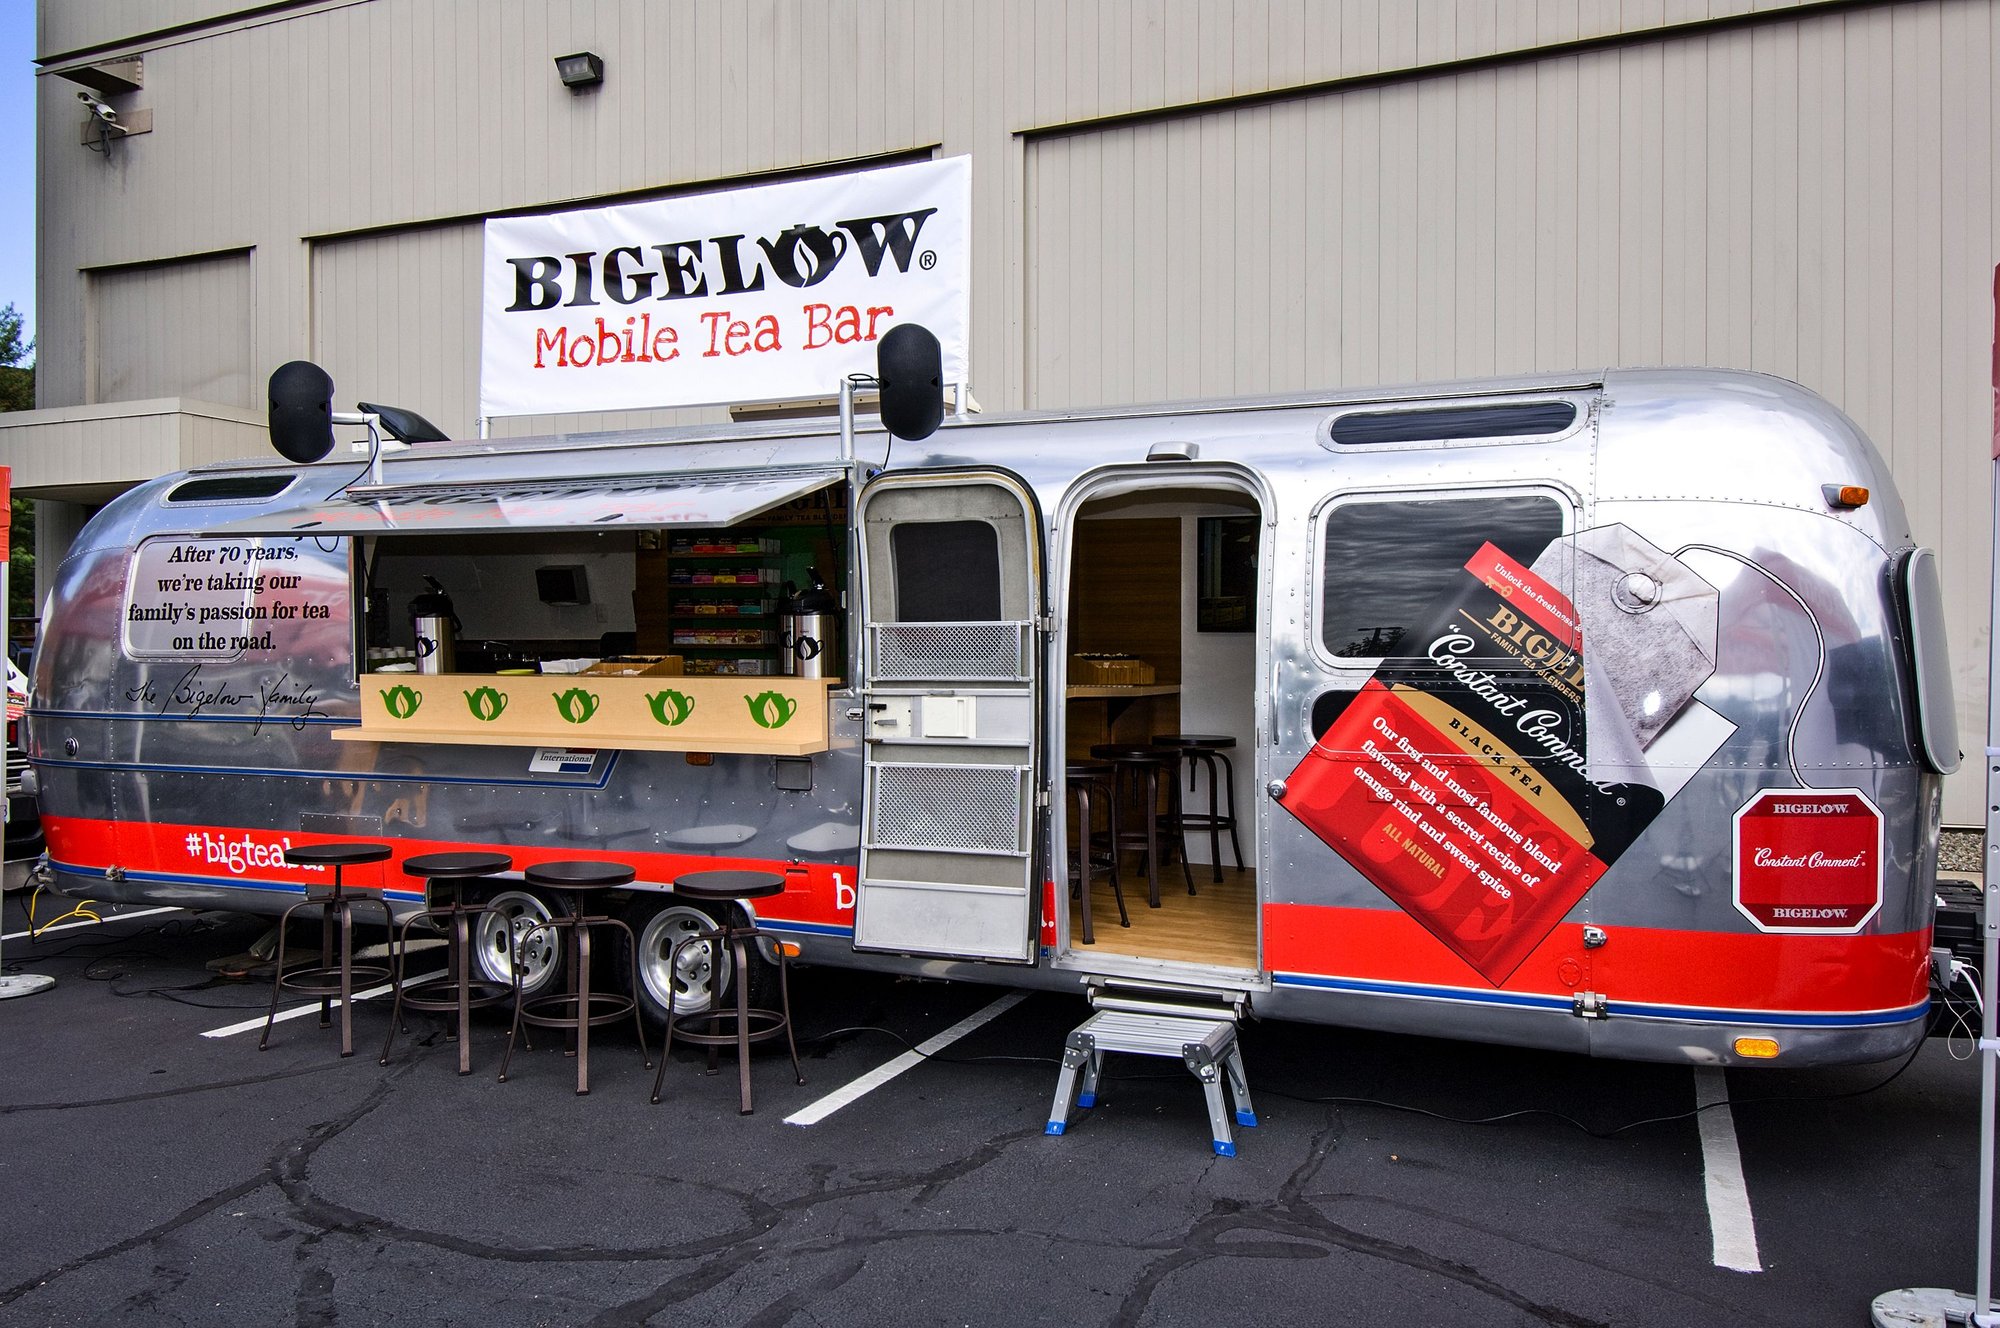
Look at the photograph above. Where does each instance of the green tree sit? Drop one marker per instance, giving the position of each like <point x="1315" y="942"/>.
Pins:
<point x="17" y="370"/>
<point x="17" y="392"/>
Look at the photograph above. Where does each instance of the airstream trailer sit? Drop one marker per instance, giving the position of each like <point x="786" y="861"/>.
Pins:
<point x="1603" y="713"/>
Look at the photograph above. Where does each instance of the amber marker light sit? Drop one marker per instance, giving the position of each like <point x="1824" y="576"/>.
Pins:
<point x="1845" y="496"/>
<point x="1757" y="1049"/>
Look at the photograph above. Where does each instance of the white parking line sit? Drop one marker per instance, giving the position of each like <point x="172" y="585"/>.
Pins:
<point x="1730" y="1225"/>
<point x="310" y="1007"/>
<point x="882" y="1074"/>
<point x="71" y="926"/>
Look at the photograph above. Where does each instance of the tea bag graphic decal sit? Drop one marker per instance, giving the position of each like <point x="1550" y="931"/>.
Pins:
<point x="1650" y="625"/>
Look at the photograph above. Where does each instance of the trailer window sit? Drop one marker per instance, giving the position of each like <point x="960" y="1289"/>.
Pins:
<point x="1453" y="423"/>
<point x="1384" y="563"/>
<point x="946" y="571"/>
<point x="230" y="488"/>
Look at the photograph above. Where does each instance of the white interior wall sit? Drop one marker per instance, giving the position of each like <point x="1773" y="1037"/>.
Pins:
<point x="1218" y="693"/>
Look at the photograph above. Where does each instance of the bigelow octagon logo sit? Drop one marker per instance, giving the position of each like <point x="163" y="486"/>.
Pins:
<point x="1808" y="860"/>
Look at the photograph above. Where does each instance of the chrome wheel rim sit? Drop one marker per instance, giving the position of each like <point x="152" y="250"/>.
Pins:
<point x="694" y="976"/>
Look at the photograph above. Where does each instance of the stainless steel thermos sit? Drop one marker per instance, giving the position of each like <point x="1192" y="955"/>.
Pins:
<point x="811" y="631"/>
<point x="436" y="627"/>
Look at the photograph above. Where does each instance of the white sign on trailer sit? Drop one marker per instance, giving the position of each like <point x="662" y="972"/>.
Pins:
<point x="758" y="294"/>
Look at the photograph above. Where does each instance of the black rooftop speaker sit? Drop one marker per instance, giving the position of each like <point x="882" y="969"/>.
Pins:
<point x="909" y="365"/>
<point x="301" y="411"/>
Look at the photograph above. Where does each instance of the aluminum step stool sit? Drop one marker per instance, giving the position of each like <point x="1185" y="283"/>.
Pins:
<point x="1207" y="1046"/>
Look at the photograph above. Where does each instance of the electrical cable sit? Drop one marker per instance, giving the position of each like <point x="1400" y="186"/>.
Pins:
<point x="81" y="910"/>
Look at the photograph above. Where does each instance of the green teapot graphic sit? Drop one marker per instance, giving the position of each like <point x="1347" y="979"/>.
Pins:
<point x="575" y="705"/>
<point x="771" y="710"/>
<point x="486" y="703"/>
<point x="401" y="702"/>
<point x="670" y="707"/>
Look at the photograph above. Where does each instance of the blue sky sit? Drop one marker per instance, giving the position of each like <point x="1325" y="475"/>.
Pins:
<point x="17" y="157"/>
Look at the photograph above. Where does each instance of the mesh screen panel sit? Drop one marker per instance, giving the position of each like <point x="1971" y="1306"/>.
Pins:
<point x="948" y="807"/>
<point x="920" y="651"/>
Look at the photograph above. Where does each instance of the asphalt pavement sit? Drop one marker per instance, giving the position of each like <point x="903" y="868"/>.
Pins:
<point x="155" y="1172"/>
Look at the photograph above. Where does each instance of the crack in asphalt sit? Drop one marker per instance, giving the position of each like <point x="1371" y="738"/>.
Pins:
<point x="1293" y="1215"/>
<point x="157" y="1095"/>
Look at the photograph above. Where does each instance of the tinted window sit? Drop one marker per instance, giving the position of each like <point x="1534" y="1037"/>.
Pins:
<point x="1513" y="420"/>
<point x="225" y="488"/>
<point x="946" y="571"/>
<point x="1385" y="562"/>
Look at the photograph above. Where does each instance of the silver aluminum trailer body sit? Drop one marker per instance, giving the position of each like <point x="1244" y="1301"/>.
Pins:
<point x="1644" y="897"/>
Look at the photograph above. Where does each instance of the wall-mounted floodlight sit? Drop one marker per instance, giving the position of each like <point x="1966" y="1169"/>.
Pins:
<point x="580" y="71"/>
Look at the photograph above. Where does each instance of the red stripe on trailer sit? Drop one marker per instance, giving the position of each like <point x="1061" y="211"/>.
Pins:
<point x="1643" y="965"/>
<point x="254" y="858"/>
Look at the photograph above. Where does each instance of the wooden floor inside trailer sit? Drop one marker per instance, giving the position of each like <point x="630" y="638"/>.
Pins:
<point x="1217" y="926"/>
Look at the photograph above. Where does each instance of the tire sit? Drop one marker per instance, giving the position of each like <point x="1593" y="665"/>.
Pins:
<point x="706" y="968"/>
<point x="496" y="934"/>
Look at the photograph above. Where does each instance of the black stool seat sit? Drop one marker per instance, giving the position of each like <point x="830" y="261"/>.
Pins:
<point x="716" y="886"/>
<point x="580" y="875"/>
<point x="714" y="1028"/>
<point x="1204" y="751"/>
<point x="579" y="1009"/>
<point x="455" y="990"/>
<point x="457" y="866"/>
<point x="336" y="855"/>
<point x="331" y="979"/>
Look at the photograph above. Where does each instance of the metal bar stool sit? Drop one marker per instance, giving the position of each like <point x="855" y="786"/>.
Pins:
<point x="714" y="1028"/>
<point x="455" y="989"/>
<point x="1087" y="780"/>
<point x="1139" y="776"/>
<point x="579" y="1009"/>
<point x="327" y="979"/>
<point x="1204" y="750"/>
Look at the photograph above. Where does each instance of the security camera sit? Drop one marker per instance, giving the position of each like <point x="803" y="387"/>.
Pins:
<point x="98" y="108"/>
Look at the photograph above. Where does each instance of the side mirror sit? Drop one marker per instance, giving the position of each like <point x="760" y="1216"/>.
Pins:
<point x="301" y="411"/>
<point x="909" y="365"/>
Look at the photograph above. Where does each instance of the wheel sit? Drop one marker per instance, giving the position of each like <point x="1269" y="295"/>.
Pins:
<point x="498" y="933"/>
<point x="703" y="968"/>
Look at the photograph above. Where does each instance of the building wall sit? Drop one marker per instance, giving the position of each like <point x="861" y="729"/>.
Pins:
<point x="1170" y="198"/>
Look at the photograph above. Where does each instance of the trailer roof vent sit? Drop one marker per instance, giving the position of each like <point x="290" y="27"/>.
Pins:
<point x="1487" y="421"/>
<point x="230" y="489"/>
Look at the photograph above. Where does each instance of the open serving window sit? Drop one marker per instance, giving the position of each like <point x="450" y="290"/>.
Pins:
<point x="643" y="612"/>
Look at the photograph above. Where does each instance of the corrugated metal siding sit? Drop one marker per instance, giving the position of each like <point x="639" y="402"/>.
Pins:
<point x="1810" y="194"/>
<point x="173" y="329"/>
<point x="1812" y="200"/>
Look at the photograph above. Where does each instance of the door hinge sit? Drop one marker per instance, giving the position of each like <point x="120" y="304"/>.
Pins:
<point x="1041" y="797"/>
<point x="1045" y="624"/>
<point x="1589" y="1005"/>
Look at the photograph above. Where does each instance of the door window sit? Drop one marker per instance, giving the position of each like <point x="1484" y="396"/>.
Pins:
<point x="946" y="571"/>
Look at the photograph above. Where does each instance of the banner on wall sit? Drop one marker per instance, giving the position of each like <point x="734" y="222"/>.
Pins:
<point x="758" y="294"/>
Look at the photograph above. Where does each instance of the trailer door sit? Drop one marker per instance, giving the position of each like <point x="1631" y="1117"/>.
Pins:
<point x="951" y="565"/>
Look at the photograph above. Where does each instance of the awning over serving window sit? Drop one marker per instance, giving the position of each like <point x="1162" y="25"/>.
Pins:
<point x="703" y="500"/>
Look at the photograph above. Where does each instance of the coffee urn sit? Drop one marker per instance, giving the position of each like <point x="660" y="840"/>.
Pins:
<point x="436" y="628"/>
<point x="811" y="635"/>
